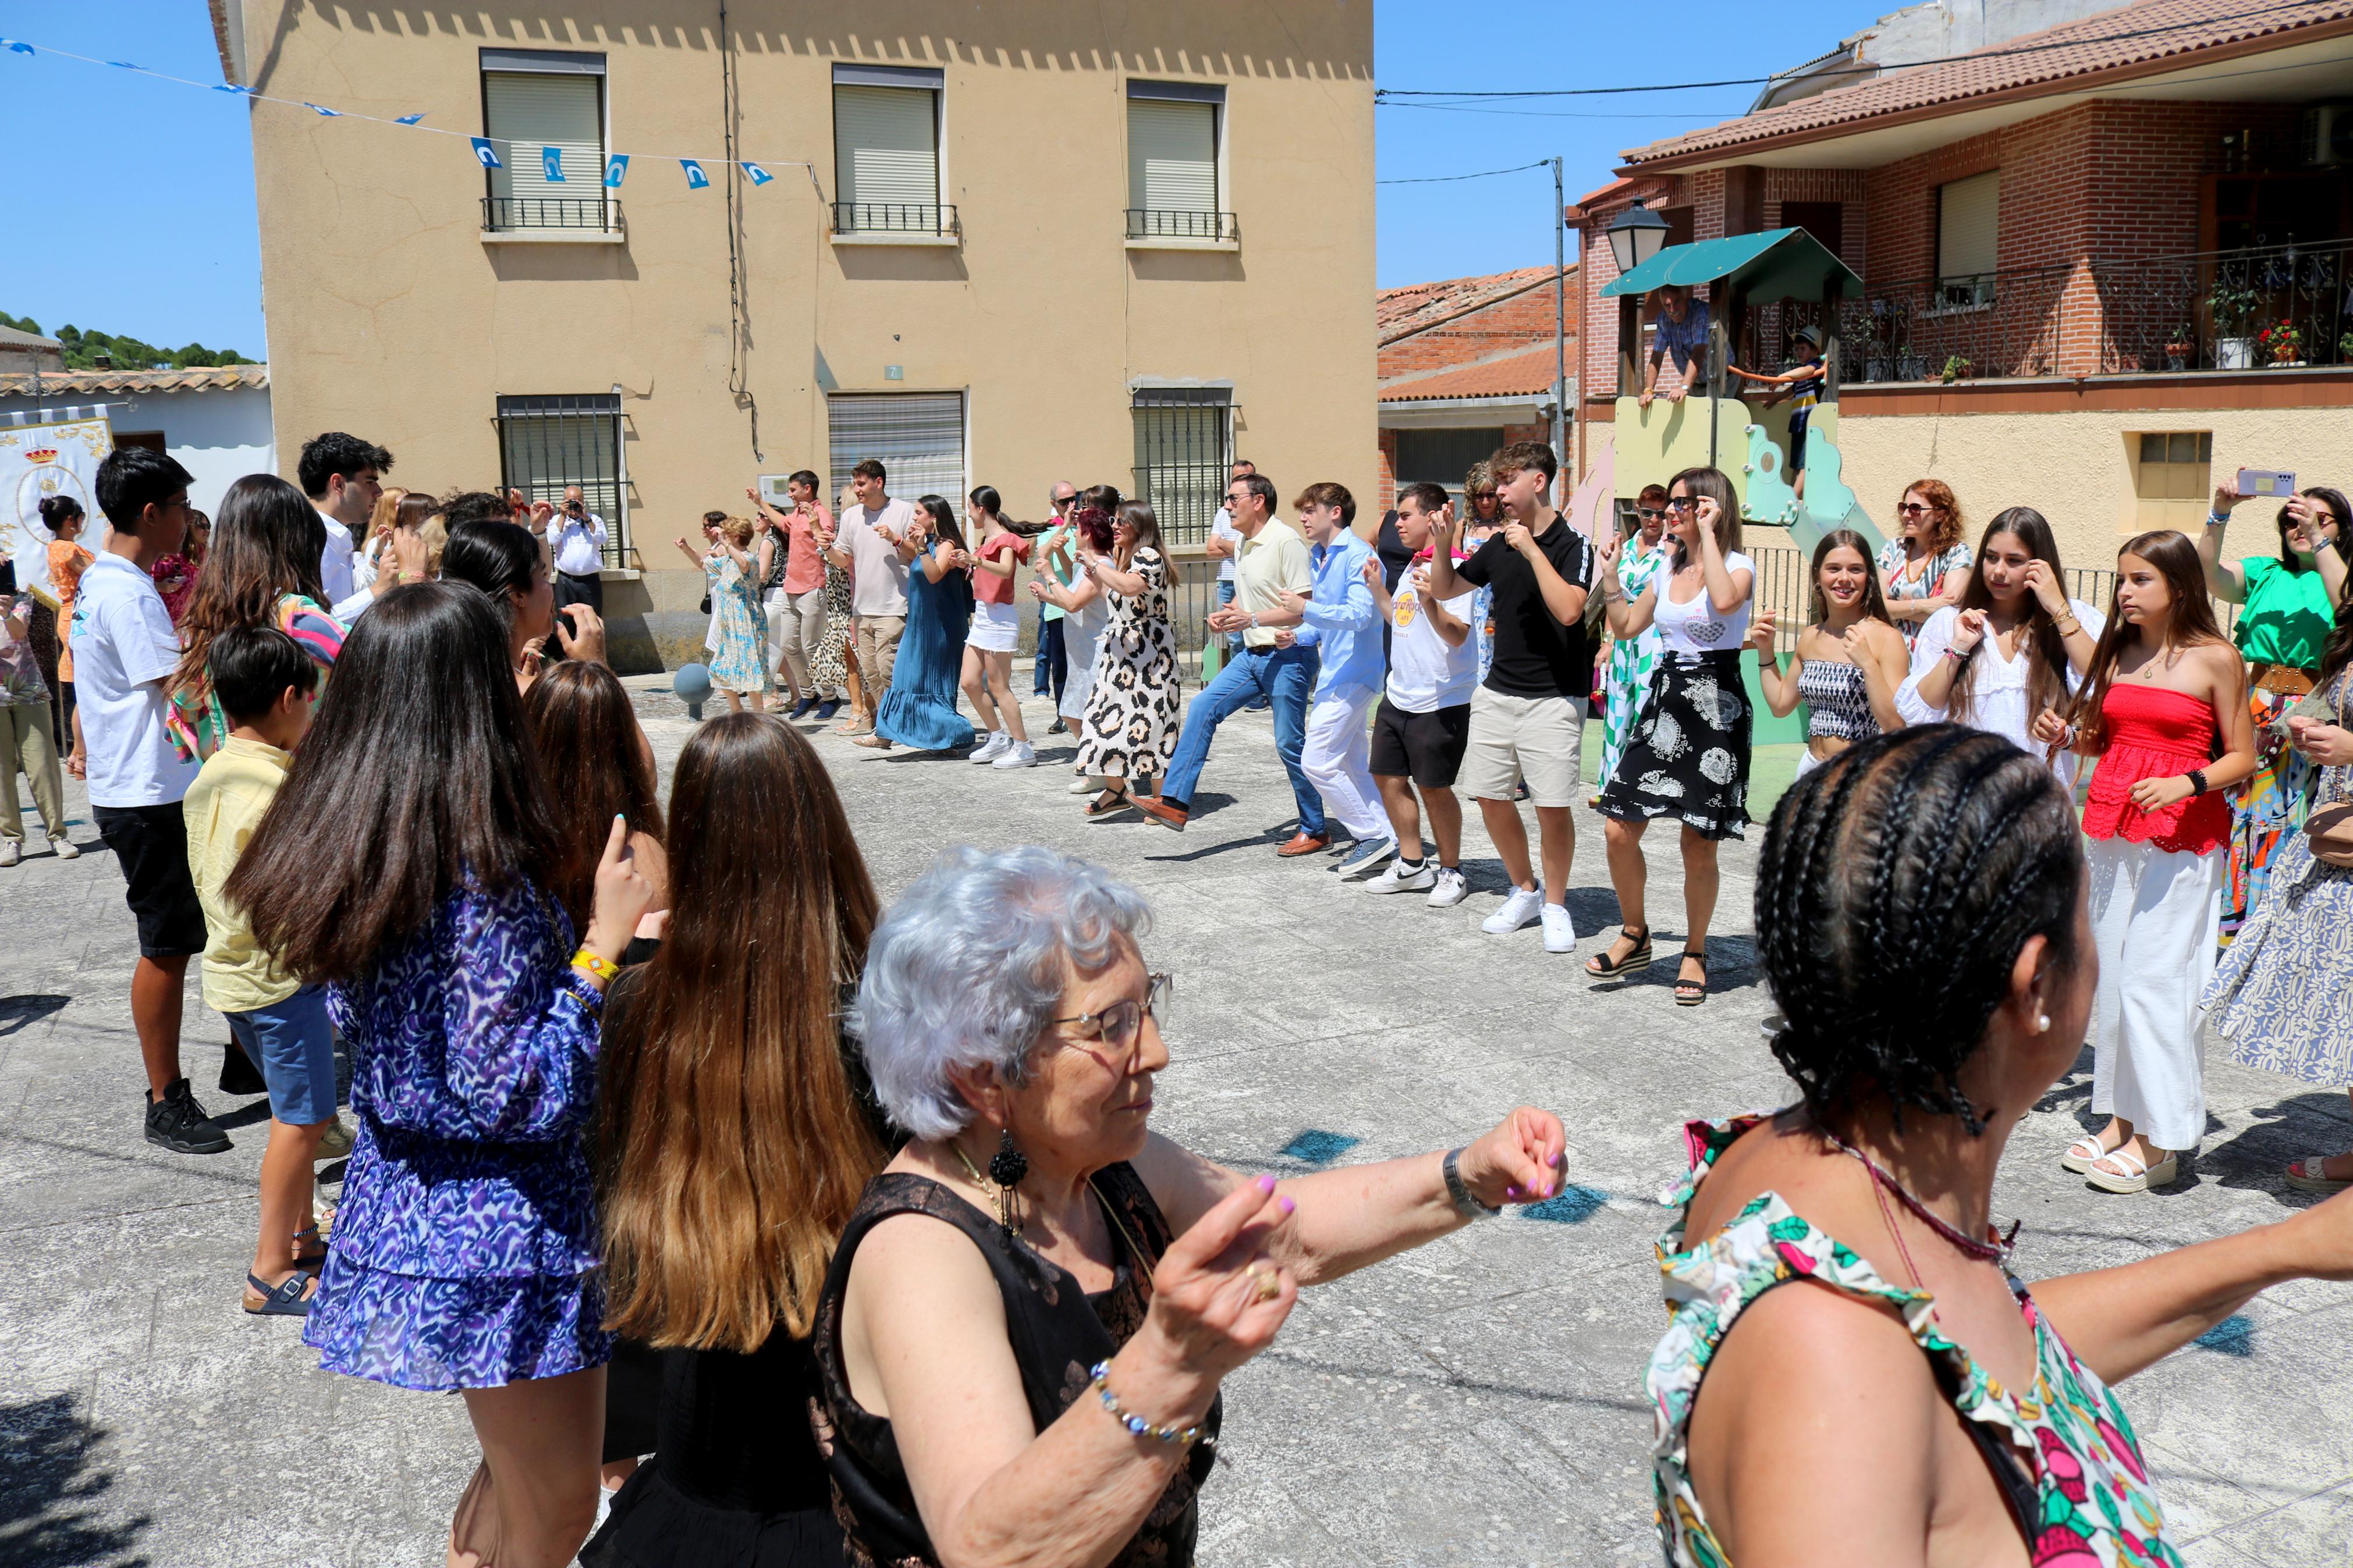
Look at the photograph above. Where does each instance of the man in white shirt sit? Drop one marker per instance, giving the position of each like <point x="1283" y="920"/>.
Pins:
<point x="868" y="544"/>
<point x="580" y="536"/>
<point x="124" y="654"/>
<point x="1423" y="724"/>
<point x="1224" y="545"/>
<point x="342" y="476"/>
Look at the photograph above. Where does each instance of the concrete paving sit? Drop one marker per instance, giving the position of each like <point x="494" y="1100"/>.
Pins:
<point x="1476" y="1402"/>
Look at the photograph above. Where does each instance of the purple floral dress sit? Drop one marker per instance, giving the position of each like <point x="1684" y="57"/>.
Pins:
<point x="465" y="1247"/>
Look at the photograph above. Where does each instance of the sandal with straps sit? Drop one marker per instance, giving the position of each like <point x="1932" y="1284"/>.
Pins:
<point x="310" y="1262"/>
<point x="2083" y="1153"/>
<point x="291" y="1298"/>
<point x="1600" y="967"/>
<point x="2139" y="1176"/>
<point x="1692" y="993"/>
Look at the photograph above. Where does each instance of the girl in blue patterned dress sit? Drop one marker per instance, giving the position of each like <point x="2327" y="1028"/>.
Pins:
<point x="405" y="863"/>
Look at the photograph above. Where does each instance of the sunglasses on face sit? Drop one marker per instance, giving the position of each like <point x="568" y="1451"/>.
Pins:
<point x="1120" y="1025"/>
<point x="1913" y="509"/>
<point x="1650" y="514"/>
<point x="1682" y="503"/>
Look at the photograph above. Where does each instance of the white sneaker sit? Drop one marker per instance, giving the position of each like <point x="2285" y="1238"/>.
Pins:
<point x="1450" y="890"/>
<point x="1018" y="755"/>
<point x="1560" y="933"/>
<point x="11" y="852"/>
<point x="1396" y="878"/>
<point x="1521" y="909"/>
<point x="63" y="848"/>
<point x="988" y="750"/>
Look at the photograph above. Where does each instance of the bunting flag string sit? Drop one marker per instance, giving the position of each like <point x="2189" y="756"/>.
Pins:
<point x="486" y="149"/>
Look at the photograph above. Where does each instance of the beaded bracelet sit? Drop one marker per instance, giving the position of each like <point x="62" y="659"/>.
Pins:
<point x="1183" y="1437"/>
<point x="603" y="969"/>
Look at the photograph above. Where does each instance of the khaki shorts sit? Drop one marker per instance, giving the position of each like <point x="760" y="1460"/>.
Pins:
<point x="1538" y="739"/>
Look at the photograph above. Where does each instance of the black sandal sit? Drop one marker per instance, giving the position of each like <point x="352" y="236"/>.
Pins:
<point x="1692" y="993"/>
<point x="1601" y="968"/>
<point x="289" y="1299"/>
<point x="1111" y="803"/>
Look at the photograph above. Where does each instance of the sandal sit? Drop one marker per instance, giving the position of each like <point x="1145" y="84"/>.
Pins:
<point x="1692" y="993"/>
<point x="1111" y="803"/>
<point x="2083" y="1153"/>
<point x="310" y="1262"/>
<point x="1602" y="967"/>
<point x="2308" y="1176"/>
<point x="291" y="1300"/>
<point x="2137" y="1177"/>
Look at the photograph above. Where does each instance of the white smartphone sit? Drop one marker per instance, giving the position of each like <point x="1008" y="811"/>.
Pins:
<point x="2272" y="482"/>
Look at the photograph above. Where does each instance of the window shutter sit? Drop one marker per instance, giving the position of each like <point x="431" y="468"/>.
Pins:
<point x="1172" y="155"/>
<point x="918" y="437"/>
<point x="886" y="146"/>
<point x="530" y="110"/>
<point x="1968" y="225"/>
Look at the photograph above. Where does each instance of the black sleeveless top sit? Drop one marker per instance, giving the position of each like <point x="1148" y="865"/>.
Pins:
<point x="1058" y="1333"/>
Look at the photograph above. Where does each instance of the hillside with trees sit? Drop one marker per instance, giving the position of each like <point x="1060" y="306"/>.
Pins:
<point x="83" y="349"/>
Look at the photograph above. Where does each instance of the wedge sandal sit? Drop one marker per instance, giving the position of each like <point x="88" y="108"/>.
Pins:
<point x="1600" y="967"/>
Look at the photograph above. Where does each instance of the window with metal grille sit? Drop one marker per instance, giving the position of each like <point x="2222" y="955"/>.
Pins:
<point x="1183" y="445"/>
<point x="1968" y="240"/>
<point x="545" y="109"/>
<point x="547" y="442"/>
<point x="917" y="436"/>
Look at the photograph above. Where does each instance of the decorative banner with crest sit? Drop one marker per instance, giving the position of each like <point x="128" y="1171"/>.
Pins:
<point x="41" y="460"/>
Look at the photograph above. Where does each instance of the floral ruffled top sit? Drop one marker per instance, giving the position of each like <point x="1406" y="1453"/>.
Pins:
<point x="2070" y="1447"/>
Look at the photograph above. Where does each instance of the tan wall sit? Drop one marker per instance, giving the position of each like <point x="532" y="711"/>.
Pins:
<point x="390" y="318"/>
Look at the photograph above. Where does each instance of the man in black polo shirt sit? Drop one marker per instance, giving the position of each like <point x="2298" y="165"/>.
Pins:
<point x="1527" y="718"/>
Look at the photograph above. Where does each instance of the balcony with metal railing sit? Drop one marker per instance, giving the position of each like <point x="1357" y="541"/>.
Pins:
<point x="1178" y="224"/>
<point x="526" y="214"/>
<point x="928" y="221"/>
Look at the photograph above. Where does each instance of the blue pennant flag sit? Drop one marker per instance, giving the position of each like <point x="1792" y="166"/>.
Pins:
<point x="323" y="108"/>
<point x="18" y="45"/>
<point x="408" y="120"/>
<point x="759" y="176"/>
<point x="486" y="153"/>
<point x="695" y="178"/>
<point x="125" y="65"/>
<point x="617" y="169"/>
<point x="551" y="160"/>
<point x="230" y="87"/>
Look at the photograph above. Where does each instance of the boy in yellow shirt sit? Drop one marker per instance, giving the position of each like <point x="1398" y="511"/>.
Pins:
<point x="266" y="684"/>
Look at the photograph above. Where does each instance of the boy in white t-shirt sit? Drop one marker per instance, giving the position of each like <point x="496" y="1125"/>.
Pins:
<point x="125" y="652"/>
<point x="1423" y="724"/>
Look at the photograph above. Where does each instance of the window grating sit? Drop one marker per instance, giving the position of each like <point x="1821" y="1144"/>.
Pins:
<point x="1183" y="454"/>
<point x="547" y="442"/>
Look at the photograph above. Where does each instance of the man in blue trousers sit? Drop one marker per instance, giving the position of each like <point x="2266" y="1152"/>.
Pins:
<point x="1269" y="561"/>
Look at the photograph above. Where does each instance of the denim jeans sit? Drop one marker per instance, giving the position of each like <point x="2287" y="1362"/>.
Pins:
<point x="1053" y="659"/>
<point x="1284" y="675"/>
<point x="1227" y="641"/>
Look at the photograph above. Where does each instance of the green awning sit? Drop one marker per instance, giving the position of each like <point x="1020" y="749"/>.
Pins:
<point x="1779" y="264"/>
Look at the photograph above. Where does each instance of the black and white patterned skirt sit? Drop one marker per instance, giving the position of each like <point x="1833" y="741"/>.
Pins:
<point x="1688" y="756"/>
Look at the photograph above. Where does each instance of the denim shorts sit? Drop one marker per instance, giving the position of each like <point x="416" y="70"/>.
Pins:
<point x="293" y="1044"/>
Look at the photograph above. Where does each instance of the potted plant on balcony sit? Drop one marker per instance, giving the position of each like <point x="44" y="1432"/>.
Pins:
<point x="2345" y="349"/>
<point x="2283" y="343"/>
<point x="1956" y="367"/>
<point x="2231" y="304"/>
<point x="2181" y="347"/>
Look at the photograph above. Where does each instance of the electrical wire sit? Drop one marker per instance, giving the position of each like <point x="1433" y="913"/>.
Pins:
<point x="1481" y="175"/>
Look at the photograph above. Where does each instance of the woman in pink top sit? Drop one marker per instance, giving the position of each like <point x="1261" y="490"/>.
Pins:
<point x="995" y="632"/>
<point x="2164" y="709"/>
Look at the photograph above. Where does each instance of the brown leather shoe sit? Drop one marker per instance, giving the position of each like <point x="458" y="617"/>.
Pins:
<point x="1305" y="844"/>
<point x="1156" y="809"/>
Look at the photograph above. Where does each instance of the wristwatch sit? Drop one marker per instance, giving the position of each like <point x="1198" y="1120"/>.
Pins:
<point x="1465" y="1202"/>
<point x="1253" y="620"/>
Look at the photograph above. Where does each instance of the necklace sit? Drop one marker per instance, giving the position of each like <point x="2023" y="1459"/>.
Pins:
<point x="1969" y="1246"/>
<point x="1005" y="1219"/>
<point x="1142" y="1259"/>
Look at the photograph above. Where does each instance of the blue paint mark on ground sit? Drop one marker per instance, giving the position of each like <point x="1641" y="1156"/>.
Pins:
<point x="1313" y="1147"/>
<point x="1575" y="1205"/>
<point x="2232" y="1336"/>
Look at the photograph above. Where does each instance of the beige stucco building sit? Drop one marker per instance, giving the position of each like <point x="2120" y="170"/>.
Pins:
<point x="989" y="244"/>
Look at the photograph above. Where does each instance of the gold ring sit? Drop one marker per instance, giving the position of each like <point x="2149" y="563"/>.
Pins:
<point x="1270" y="1284"/>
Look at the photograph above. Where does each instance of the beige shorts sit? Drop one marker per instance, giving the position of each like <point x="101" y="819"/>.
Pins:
<point x="1538" y="739"/>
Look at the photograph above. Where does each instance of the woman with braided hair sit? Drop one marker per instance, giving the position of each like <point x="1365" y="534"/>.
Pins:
<point x="1868" y="1414"/>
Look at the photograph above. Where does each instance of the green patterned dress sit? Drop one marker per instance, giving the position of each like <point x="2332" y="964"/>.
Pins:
<point x="2066" y="1439"/>
<point x="1631" y="660"/>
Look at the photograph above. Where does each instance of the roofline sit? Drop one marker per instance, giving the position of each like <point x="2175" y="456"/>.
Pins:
<point x="229" y="38"/>
<point x="2055" y="87"/>
<point x="1568" y="270"/>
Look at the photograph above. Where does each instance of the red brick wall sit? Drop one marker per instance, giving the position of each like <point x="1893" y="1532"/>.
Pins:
<point x="1387" y="471"/>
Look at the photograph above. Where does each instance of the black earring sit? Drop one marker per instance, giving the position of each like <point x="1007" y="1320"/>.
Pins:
<point x="1007" y="1165"/>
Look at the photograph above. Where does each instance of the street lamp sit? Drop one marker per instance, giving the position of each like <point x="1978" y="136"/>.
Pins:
<point x="1636" y="236"/>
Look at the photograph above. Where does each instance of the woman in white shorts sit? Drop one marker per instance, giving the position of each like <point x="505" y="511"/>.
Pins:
<point x="995" y="632"/>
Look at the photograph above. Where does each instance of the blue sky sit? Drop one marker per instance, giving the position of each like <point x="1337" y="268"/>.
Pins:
<point x="133" y="199"/>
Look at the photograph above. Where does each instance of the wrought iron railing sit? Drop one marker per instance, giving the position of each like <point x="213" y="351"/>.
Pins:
<point x="1166" y="222"/>
<point x="503" y="215"/>
<point x="895" y="217"/>
<point x="2232" y="309"/>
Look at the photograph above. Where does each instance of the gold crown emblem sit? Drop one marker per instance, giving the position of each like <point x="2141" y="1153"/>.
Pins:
<point x="42" y="454"/>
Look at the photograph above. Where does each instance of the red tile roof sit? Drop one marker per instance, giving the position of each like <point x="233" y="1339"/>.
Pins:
<point x="1522" y="373"/>
<point x="2167" y="35"/>
<point x="200" y="378"/>
<point x="1417" y="307"/>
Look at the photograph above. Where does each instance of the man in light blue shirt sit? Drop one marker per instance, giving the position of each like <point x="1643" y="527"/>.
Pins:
<point x="1337" y="617"/>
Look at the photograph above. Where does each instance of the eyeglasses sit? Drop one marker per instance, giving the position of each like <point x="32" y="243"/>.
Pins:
<point x="1120" y="1025"/>
<point x="1682" y="503"/>
<point x="1912" y="508"/>
<point x="1650" y="514"/>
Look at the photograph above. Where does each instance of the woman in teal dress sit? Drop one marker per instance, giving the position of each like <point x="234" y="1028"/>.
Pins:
<point x="1631" y="660"/>
<point x="920" y="711"/>
<point x="738" y="638"/>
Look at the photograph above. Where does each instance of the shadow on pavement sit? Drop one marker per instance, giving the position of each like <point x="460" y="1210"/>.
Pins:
<point x="51" y="1487"/>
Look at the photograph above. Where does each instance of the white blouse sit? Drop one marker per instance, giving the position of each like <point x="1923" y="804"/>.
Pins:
<point x="1694" y="625"/>
<point x="1998" y="686"/>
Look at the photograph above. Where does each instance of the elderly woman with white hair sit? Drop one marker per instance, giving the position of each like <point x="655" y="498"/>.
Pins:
<point x="1027" y="1317"/>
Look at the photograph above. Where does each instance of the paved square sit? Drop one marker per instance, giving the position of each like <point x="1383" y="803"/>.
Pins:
<point x="1477" y="1402"/>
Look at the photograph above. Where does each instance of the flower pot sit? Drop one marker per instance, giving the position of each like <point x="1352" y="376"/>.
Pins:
<point x="2234" y="354"/>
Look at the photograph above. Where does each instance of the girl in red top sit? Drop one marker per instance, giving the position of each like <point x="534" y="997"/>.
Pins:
<point x="995" y="632"/>
<point x="2164" y="709"/>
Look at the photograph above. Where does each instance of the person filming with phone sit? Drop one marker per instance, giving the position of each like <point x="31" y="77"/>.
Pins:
<point x="580" y="536"/>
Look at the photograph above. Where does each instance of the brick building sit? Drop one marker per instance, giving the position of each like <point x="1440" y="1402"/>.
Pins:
<point x="2090" y="228"/>
<point x="1466" y="365"/>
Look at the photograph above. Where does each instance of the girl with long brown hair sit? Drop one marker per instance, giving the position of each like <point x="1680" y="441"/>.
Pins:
<point x="263" y="571"/>
<point x="734" y="1135"/>
<point x="1922" y="569"/>
<point x="1849" y="659"/>
<point x="2165" y="710"/>
<point x="2015" y="645"/>
<point x="590" y="744"/>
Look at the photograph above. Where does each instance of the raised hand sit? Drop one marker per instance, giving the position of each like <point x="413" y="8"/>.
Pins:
<point x="2048" y="728"/>
<point x="1292" y="602"/>
<point x="1607" y="551"/>
<point x="623" y="895"/>
<point x="1969" y="630"/>
<point x="1517" y="536"/>
<point x="585" y="638"/>
<point x="2037" y="575"/>
<point x="1371" y="571"/>
<point x="1519" y="1161"/>
<point x="1219" y="1295"/>
<point x="1857" y="643"/>
<point x="1763" y="633"/>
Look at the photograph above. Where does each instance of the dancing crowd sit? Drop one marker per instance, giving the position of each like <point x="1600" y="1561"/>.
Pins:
<point x="670" y="1138"/>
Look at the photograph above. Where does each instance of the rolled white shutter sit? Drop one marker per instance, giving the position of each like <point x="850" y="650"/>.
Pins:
<point x="525" y="111"/>
<point x="1968" y="231"/>
<point x="1172" y="155"/>
<point x="886" y="146"/>
<point x="918" y="437"/>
